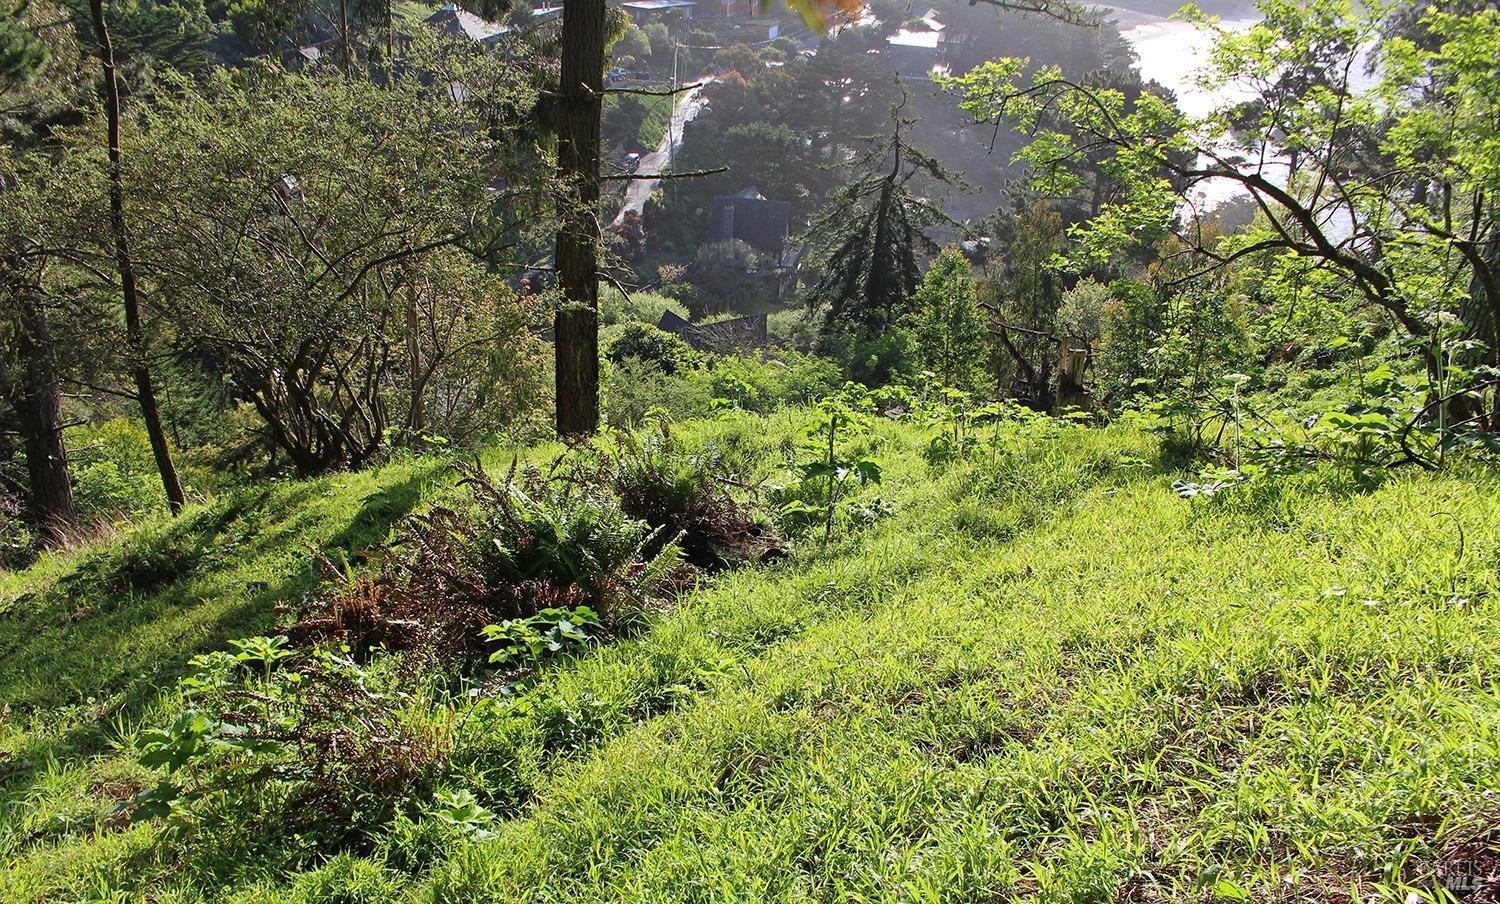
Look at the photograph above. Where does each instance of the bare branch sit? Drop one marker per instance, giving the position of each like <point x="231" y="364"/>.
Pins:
<point x="654" y="92"/>
<point x="1069" y="13"/>
<point x="627" y="177"/>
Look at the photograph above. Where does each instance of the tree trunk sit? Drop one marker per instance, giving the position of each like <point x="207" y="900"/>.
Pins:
<point x="344" y="55"/>
<point x="882" y="288"/>
<point x="577" y="258"/>
<point x="140" y="369"/>
<point x="39" y="410"/>
<point x="415" y="383"/>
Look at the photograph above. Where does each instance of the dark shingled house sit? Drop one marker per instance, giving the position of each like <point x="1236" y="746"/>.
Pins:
<point x="749" y="217"/>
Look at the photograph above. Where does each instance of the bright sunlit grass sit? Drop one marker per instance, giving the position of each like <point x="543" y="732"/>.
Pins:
<point x="1043" y="675"/>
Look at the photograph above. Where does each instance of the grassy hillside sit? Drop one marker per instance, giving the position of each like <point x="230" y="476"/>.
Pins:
<point x="1041" y="674"/>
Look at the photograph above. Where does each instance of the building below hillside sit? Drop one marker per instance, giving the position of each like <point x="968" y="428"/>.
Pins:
<point x="749" y="217"/>
<point x="453" y="21"/>
<point x="925" y="44"/>
<point x="643" y="10"/>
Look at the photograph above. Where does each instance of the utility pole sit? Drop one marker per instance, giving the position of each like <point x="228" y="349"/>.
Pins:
<point x="672" y="117"/>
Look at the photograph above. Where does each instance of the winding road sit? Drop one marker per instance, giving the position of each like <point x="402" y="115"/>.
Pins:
<point x="689" y="105"/>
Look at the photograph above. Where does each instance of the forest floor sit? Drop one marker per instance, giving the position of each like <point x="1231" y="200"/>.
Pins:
<point x="1041" y="676"/>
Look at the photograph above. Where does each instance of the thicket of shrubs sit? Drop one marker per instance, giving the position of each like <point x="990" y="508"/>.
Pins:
<point x="759" y="382"/>
<point x="349" y="723"/>
<point x="221" y="446"/>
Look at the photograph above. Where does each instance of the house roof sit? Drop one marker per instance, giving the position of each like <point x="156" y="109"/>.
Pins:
<point x="739" y="332"/>
<point x="657" y="5"/>
<point x="672" y="323"/>
<point x="749" y="217"/>
<point x="925" y="40"/>
<point x="926" y="33"/>
<point x="455" y="22"/>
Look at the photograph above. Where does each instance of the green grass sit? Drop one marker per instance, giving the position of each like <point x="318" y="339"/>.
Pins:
<point x="658" y="116"/>
<point x="653" y="127"/>
<point x="1044" y="676"/>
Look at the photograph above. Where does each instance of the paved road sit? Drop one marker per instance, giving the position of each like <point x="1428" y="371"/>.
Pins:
<point x="689" y="104"/>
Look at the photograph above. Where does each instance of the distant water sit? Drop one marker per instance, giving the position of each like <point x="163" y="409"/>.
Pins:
<point x="1174" y="53"/>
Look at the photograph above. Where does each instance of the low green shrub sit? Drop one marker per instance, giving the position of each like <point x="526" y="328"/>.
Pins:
<point x="616" y="308"/>
<point x="831" y="471"/>
<point x="349" y="742"/>
<point x="797" y="329"/>
<point x="655" y="347"/>
<point x="155" y="557"/>
<point x="517" y="548"/>
<point x="760" y="382"/>
<point x="114" y="473"/>
<point x="17" y="542"/>
<point x="634" y="389"/>
<point x="566" y="542"/>
<point x="352" y="710"/>
<point x="771" y="379"/>
<point x="684" y="494"/>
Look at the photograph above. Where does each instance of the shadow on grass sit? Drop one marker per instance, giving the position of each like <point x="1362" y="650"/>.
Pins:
<point x="101" y="648"/>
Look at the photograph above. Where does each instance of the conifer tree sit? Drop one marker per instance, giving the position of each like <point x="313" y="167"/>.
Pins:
<point x="867" y="244"/>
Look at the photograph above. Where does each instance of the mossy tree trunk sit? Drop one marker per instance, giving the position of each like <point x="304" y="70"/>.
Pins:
<point x="578" y="241"/>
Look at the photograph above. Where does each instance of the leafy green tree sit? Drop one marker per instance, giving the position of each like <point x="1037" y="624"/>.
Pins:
<point x="119" y="229"/>
<point x="1026" y="294"/>
<point x="585" y="42"/>
<point x="1390" y="190"/>
<point x="147" y="36"/>
<point x="46" y="324"/>
<point x="298" y="229"/>
<point x="950" y="333"/>
<point x="1083" y="309"/>
<point x="264" y="24"/>
<point x="31" y="379"/>
<point x="771" y="157"/>
<point x="660" y="44"/>
<point x="623" y="118"/>
<point x="729" y="276"/>
<point x="739" y="59"/>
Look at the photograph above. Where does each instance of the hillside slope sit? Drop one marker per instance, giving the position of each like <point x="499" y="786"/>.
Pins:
<point x="1041" y="675"/>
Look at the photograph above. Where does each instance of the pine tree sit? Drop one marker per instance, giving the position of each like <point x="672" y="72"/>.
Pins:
<point x="867" y="244"/>
<point x="21" y="53"/>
